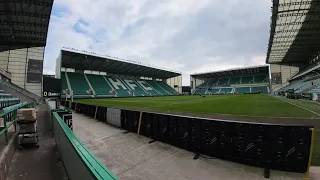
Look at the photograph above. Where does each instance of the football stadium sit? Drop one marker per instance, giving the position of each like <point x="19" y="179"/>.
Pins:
<point x="105" y="117"/>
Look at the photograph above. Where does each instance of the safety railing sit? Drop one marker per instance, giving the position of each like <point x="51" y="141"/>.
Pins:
<point x="9" y="118"/>
<point x="78" y="161"/>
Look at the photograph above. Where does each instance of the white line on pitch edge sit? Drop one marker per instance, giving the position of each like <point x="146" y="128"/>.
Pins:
<point x="296" y="105"/>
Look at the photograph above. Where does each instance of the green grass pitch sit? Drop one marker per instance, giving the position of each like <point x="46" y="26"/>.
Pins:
<point x="252" y="105"/>
<point x="248" y="105"/>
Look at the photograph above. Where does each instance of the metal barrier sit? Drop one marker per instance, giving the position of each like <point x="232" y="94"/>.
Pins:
<point x="9" y="117"/>
<point x="270" y="146"/>
<point x="78" y="161"/>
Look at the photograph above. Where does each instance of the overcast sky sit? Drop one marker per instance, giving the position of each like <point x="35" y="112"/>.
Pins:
<point x="183" y="35"/>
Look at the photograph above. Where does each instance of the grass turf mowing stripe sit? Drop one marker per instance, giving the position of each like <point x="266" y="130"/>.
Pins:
<point x="295" y="104"/>
<point x="251" y="105"/>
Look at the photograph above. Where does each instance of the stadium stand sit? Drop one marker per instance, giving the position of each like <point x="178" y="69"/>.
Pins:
<point x="110" y="86"/>
<point x="246" y="79"/>
<point x="242" y="90"/>
<point x="260" y="79"/>
<point x="211" y="91"/>
<point x="88" y="75"/>
<point x="78" y="83"/>
<point x="223" y="82"/>
<point x="294" y="66"/>
<point x="157" y="89"/>
<point x="167" y="88"/>
<point x="225" y="90"/>
<point x="99" y="84"/>
<point x="234" y="81"/>
<point x="304" y="84"/>
<point x="259" y="89"/>
<point x="200" y="91"/>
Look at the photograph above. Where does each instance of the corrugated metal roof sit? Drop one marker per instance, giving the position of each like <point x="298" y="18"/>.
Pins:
<point x="295" y="31"/>
<point x="24" y="23"/>
<point x="94" y="62"/>
<point x="234" y="72"/>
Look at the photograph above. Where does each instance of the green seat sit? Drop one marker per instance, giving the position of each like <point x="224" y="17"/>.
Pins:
<point x="260" y="79"/>
<point x="78" y="83"/>
<point x="212" y="83"/>
<point x="167" y="88"/>
<point x="223" y="81"/>
<point x="158" y="88"/>
<point x="212" y="91"/>
<point x="99" y="84"/>
<point x="247" y="79"/>
<point x="135" y="87"/>
<point x="235" y="80"/>
<point x="261" y="89"/>
<point x="243" y="90"/>
<point x="225" y="90"/>
<point x="199" y="91"/>
<point x="3" y="96"/>
<point x="121" y="90"/>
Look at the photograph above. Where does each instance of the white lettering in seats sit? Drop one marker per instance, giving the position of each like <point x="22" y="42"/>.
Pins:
<point x="117" y="83"/>
<point x="131" y="84"/>
<point x="142" y="83"/>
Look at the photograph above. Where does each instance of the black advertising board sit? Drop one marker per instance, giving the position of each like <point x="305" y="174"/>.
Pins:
<point x="34" y="73"/>
<point x="51" y="87"/>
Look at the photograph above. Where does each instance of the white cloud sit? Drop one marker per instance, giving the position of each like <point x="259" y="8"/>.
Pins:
<point x="183" y="35"/>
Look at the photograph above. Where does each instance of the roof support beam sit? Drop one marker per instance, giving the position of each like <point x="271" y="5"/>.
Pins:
<point x="295" y="3"/>
<point x="23" y="24"/>
<point x="32" y="2"/>
<point x="10" y="13"/>
<point x="21" y="32"/>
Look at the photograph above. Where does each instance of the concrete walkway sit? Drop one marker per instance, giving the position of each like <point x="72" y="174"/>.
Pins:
<point x="131" y="157"/>
<point x="42" y="163"/>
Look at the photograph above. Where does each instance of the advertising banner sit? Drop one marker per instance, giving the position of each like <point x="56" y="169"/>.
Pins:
<point x="34" y="73"/>
<point x="51" y="87"/>
<point x="114" y="117"/>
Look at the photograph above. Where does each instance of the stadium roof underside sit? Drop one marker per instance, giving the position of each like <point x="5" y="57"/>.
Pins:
<point x="24" y="23"/>
<point x="234" y="72"/>
<point x="295" y="32"/>
<point x="80" y="61"/>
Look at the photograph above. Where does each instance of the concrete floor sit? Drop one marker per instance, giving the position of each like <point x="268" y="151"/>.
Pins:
<point x="130" y="157"/>
<point x="38" y="164"/>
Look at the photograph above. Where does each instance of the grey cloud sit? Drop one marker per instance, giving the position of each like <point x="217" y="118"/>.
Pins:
<point x="224" y="32"/>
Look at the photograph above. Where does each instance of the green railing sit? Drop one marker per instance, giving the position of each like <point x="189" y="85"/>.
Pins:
<point x="78" y="161"/>
<point x="9" y="117"/>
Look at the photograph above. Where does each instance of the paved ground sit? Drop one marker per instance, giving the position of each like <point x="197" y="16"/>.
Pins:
<point x="38" y="164"/>
<point x="130" y="157"/>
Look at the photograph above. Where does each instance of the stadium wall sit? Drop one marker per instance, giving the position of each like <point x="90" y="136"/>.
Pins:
<point x="176" y="83"/>
<point x="280" y="74"/>
<point x="195" y="82"/>
<point x="20" y="63"/>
